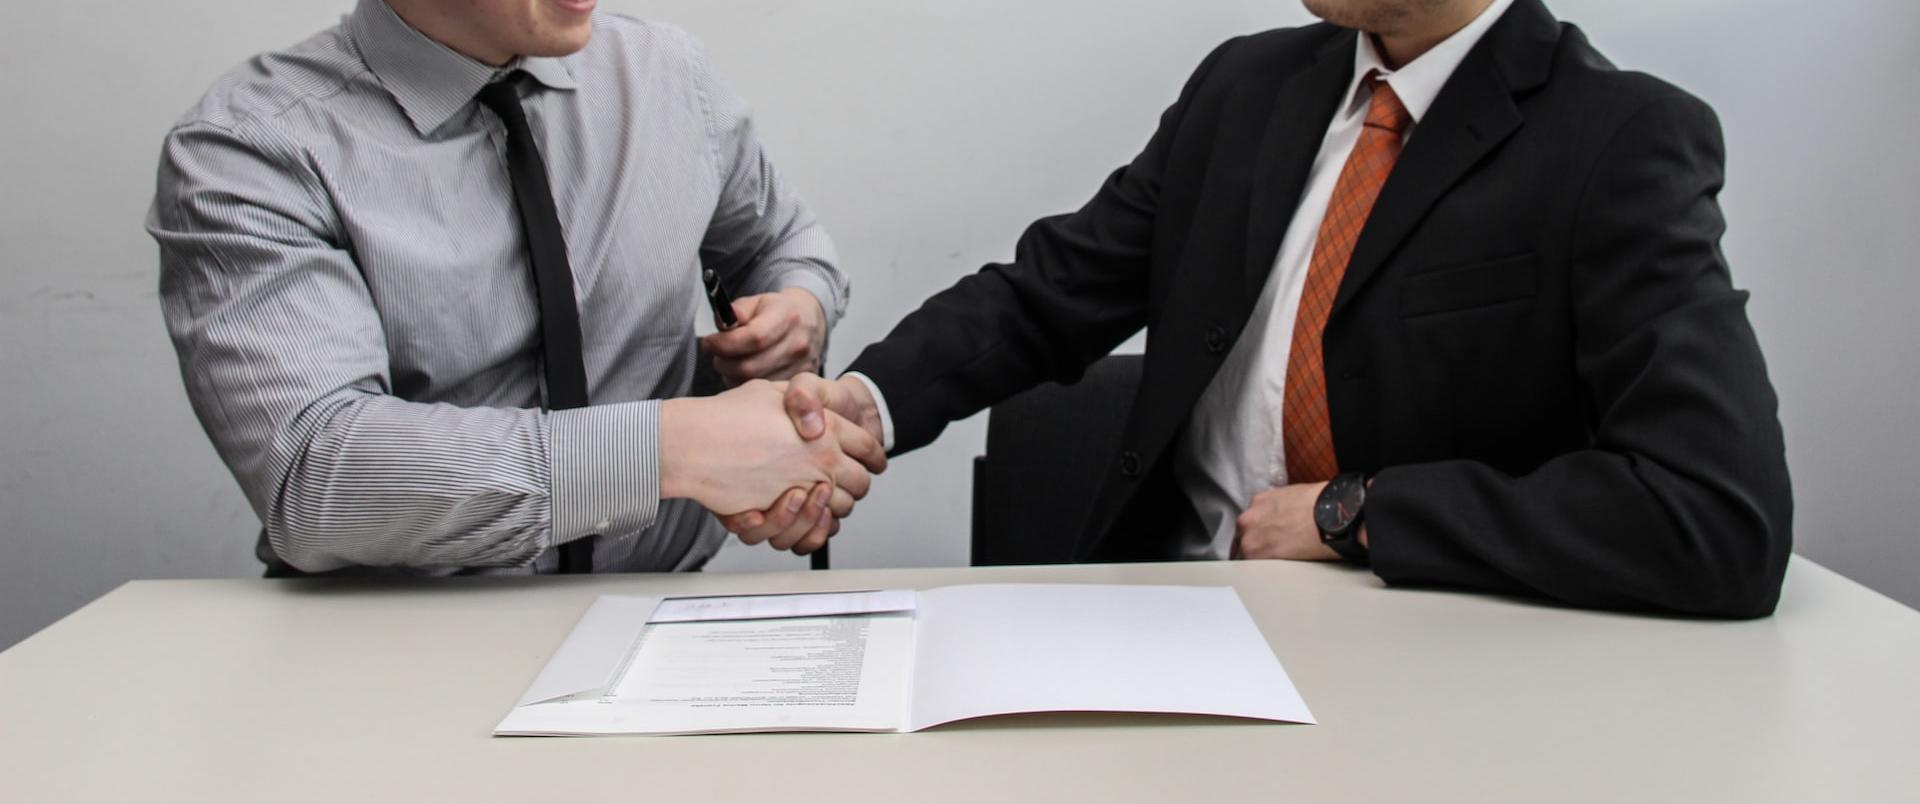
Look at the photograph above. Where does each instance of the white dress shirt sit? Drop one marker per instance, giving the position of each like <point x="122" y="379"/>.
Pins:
<point x="1232" y="449"/>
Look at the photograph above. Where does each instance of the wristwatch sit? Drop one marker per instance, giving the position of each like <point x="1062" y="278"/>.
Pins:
<point x="1338" y="515"/>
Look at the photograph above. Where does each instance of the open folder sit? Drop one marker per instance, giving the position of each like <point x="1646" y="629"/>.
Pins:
<point x="899" y="660"/>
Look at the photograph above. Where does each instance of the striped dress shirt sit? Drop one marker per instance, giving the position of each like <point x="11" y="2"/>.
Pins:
<point x="345" y="279"/>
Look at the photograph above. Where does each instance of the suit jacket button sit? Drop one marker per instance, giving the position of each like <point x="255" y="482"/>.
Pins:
<point x="1216" y="340"/>
<point x="1130" y="463"/>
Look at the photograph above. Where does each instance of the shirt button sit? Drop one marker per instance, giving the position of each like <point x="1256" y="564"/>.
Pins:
<point x="1216" y="339"/>
<point x="1130" y="463"/>
<point x="602" y="525"/>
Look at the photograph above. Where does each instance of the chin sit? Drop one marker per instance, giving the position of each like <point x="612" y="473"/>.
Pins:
<point x="564" y="42"/>
<point x="1364" y="15"/>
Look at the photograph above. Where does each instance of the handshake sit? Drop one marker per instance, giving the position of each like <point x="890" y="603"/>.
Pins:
<point x="779" y="462"/>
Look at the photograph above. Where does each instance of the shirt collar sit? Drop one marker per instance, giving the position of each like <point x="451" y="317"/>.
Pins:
<point x="1419" y="82"/>
<point x="429" y="80"/>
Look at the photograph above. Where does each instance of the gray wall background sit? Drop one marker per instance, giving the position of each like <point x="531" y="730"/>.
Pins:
<point x="926" y="135"/>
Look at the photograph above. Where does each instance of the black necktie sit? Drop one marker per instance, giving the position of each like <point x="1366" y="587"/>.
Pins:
<point x="552" y="277"/>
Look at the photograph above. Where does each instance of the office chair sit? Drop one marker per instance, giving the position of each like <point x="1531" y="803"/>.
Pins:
<point x="1047" y="451"/>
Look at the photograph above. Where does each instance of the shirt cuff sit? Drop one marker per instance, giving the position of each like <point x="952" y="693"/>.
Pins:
<point x="880" y="407"/>
<point x="605" y="464"/>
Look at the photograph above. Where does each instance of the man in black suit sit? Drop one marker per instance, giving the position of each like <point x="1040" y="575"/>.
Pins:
<point x="1434" y="268"/>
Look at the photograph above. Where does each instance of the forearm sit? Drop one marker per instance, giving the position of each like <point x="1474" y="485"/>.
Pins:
<point x="1680" y="501"/>
<point x="377" y="481"/>
<point x="1592" y="529"/>
<point x="1076" y="289"/>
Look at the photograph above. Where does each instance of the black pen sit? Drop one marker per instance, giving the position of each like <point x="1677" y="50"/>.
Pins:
<point x="722" y="303"/>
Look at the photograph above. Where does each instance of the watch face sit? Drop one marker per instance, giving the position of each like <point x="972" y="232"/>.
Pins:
<point x="1339" y="505"/>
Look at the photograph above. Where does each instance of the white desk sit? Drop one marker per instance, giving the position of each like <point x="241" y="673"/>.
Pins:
<point x="346" y="691"/>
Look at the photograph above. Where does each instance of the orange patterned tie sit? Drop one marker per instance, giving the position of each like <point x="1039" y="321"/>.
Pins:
<point x="1304" y="425"/>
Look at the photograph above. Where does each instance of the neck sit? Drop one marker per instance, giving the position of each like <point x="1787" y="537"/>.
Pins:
<point x="449" y="28"/>
<point x="1399" y="48"/>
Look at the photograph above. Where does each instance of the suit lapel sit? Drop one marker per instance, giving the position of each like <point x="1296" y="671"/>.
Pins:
<point x="1295" y="128"/>
<point x="1474" y="113"/>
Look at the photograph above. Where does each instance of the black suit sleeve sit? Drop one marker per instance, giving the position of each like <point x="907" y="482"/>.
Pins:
<point x="1681" y="502"/>
<point x="1077" y="288"/>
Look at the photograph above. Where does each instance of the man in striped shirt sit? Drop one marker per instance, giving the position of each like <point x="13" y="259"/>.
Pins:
<point x="346" y="278"/>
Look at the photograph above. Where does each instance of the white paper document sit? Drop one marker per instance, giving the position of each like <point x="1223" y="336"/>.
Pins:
<point x="903" y="661"/>
<point x="760" y="607"/>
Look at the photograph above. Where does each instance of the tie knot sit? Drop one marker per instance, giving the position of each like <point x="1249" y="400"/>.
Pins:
<point x="503" y="96"/>
<point x="1385" y="110"/>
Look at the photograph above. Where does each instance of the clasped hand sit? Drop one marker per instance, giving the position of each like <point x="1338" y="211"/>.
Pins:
<point x="734" y="452"/>
<point x="836" y="425"/>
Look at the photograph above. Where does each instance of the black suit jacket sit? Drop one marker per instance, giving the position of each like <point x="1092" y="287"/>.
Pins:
<point x="1536" y="346"/>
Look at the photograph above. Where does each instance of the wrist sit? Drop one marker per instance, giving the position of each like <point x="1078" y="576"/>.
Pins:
<point x="1339" y="515"/>
<point x="867" y="413"/>
<point x="821" y="292"/>
<point x="813" y="314"/>
<point x="1365" y="541"/>
<point x="679" y="479"/>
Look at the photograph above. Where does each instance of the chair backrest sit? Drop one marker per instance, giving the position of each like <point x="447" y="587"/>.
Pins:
<point x="1048" y="449"/>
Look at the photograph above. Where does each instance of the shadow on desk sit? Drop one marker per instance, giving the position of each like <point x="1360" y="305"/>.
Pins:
<point x="455" y="585"/>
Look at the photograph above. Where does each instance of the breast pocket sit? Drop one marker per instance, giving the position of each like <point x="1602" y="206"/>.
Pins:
<point x="1493" y="340"/>
<point x="1462" y="288"/>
